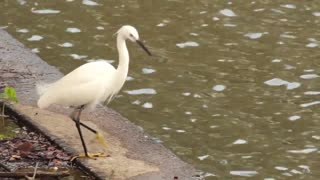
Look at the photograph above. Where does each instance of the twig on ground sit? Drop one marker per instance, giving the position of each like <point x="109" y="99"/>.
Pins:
<point x="35" y="170"/>
<point x="34" y="173"/>
<point x="4" y="166"/>
<point x="40" y="173"/>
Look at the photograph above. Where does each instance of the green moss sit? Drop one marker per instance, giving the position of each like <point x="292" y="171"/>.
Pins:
<point x="8" y="128"/>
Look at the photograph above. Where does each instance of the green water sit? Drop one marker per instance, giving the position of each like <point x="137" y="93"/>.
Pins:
<point x="236" y="82"/>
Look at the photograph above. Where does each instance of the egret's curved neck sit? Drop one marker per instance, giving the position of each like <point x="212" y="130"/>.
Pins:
<point x="123" y="57"/>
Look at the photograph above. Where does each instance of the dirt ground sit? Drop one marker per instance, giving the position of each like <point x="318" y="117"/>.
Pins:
<point x="25" y="150"/>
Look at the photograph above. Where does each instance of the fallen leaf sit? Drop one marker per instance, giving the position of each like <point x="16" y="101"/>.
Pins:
<point x="25" y="147"/>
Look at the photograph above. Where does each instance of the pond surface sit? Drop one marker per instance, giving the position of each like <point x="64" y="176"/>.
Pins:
<point x="233" y="87"/>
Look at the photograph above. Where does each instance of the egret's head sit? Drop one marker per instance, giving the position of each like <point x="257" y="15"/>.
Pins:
<point x="129" y="32"/>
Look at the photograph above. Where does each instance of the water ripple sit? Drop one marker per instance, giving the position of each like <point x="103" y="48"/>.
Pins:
<point x="148" y="70"/>
<point x="254" y="35"/>
<point x="89" y="3"/>
<point x="66" y="44"/>
<point x="309" y="76"/>
<point x="73" y="30"/>
<point x="281" y="168"/>
<point x="280" y="82"/>
<point x="35" y="38"/>
<point x="228" y="13"/>
<point x="312" y="45"/>
<point x="312" y="92"/>
<point x="289" y="6"/>
<point x="219" y="87"/>
<point x="201" y="158"/>
<point x="244" y="173"/>
<point x="23" y="30"/>
<point x="316" y="13"/>
<point x="147" y="105"/>
<point x="187" y="44"/>
<point x="45" y="11"/>
<point x="77" y="56"/>
<point x="294" y="118"/>
<point x="310" y="104"/>
<point x="148" y="91"/>
<point x="303" y="151"/>
<point x="240" y="141"/>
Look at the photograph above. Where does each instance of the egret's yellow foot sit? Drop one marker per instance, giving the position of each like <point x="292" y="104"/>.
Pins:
<point x="101" y="139"/>
<point x="90" y="156"/>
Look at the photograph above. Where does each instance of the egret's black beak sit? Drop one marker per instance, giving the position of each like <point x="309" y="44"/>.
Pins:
<point x="143" y="47"/>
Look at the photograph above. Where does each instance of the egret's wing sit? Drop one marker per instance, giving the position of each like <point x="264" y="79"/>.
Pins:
<point x="83" y="74"/>
<point x="84" y="85"/>
<point x="87" y="72"/>
<point x="79" y="95"/>
<point x="42" y="88"/>
<point x="82" y="94"/>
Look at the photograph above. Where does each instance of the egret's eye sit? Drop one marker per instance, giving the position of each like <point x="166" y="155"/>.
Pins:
<point x="131" y="35"/>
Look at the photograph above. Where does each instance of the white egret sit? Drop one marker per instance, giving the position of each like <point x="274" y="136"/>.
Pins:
<point x="91" y="83"/>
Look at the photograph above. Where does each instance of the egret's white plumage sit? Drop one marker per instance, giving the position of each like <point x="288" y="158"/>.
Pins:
<point x="88" y="85"/>
<point x="93" y="82"/>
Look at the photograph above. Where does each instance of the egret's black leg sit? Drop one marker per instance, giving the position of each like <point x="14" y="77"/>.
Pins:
<point x="77" y="121"/>
<point x="79" y="109"/>
<point x="89" y="128"/>
<point x="75" y="116"/>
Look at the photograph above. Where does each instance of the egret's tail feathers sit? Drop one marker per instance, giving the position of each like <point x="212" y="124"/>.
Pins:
<point x="46" y="100"/>
<point x="42" y="103"/>
<point x="42" y="88"/>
